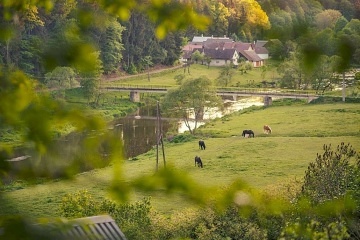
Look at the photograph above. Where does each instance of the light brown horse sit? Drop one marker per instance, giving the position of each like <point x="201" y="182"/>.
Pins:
<point x="267" y="129"/>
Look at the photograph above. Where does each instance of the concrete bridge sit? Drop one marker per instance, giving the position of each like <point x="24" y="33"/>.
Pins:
<point x="267" y="94"/>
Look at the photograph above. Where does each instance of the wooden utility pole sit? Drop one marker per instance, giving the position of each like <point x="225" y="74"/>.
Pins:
<point x="159" y="138"/>
<point x="343" y="87"/>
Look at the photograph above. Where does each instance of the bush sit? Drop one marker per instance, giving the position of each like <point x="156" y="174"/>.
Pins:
<point x="326" y="99"/>
<point x="332" y="174"/>
<point x="133" y="219"/>
<point x="228" y="225"/>
<point x="79" y="204"/>
<point x="332" y="183"/>
<point x="183" y="138"/>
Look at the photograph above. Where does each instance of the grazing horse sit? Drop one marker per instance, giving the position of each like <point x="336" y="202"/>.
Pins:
<point x="198" y="162"/>
<point x="250" y="133"/>
<point x="267" y="129"/>
<point x="202" y="145"/>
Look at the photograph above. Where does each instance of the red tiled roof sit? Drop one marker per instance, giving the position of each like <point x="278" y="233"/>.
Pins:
<point x="251" y="55"/>
<point x="190" y="47"/>
<point x="224" y="54"/>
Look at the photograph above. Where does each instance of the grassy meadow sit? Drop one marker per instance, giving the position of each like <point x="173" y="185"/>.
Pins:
<point x="168" y="77"/>
<point x="250" y="79"/>
<point x="266" y="162"/>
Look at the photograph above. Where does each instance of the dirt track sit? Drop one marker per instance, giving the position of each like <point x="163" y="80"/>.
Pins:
<point x="158" y="69"/>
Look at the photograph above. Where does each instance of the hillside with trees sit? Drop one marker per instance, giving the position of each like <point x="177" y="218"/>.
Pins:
<point x="125" y="45"/>
<point x="48" y="45"/>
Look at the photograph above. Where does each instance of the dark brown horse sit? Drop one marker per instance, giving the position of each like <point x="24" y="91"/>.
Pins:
<point x="202" y="145"/>
<point x="198" y="162"/>
<point x="250" y="133"/>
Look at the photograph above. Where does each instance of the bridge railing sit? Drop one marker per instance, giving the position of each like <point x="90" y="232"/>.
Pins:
<point x="228" y="90"/>
<point x="267" y="90"/>
<point x="138" y="86"/>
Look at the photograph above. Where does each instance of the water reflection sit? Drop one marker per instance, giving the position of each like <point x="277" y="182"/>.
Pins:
<point x="229" y="107"/>
<point x="138" y="133"/>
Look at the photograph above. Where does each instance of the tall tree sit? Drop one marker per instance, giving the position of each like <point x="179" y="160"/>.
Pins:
<point x="60" y="79"/>
<point x="191" y="100"/>
<point x="291" y="71"/>
<point x="148" y="63"/>
<point x="225" y="75"/>
<point x="321" y="75"/>
<point x="197" y="56"/>
<point x="246" y="16"/>
<point x="327" y="19"/>
<point x="340" y="24"/>
<point x="90" y="79"/>
<point x="30" y="55"/>
<point x="326" y="41"/>
<point x="281" y="25"/>
<point x="332" y="174"/>
<point x="219" y="15"/>
<point x="139" y="41"/>
<point x="172" y="46"/>
<point x="112" y="47"/>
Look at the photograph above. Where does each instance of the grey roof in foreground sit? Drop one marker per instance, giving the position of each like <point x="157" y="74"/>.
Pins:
<point x="101" y="227"/>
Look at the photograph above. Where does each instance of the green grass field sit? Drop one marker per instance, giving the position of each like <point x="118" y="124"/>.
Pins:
<point x="250" y="79"/>
<point x="264" y="162"/>
<point x="196" y="70"/>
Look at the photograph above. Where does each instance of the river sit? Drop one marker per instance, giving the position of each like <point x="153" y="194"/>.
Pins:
<point x="138" y="132"/>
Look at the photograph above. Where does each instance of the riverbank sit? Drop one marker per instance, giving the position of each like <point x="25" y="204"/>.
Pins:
<point x="268" y="162"/>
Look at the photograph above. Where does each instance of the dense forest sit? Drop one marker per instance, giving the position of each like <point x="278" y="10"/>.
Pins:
<point x="134" y="45"/>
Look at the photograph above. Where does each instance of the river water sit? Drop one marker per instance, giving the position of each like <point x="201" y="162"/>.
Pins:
<point x="137" y="131"/>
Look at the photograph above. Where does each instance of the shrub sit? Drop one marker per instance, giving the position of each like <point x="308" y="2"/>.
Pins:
<point x="133" y="219"/>
<point x="79" y="204"/>
<point x="228" y="225"/>
<point x="315" y="230"/>
<point x="182" y="138"/>
<point x="331" y="175"/>
<point x="331" y="184"/>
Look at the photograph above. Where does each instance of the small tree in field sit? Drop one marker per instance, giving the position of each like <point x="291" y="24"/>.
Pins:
<point x="59" y="79"/>
<point x="194" y="96"/>
<point x="90" y="81"/>
<point x="332" y="174"/>
<point x="330" y="209"/>
<point x="226" y="75"/>
<point x="197" y="56"/>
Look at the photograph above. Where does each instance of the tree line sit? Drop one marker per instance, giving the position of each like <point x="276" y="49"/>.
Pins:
<point x="37" y="40"/>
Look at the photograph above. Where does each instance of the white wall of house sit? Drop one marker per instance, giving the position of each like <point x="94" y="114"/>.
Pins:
<point x="264" y="56"/>
<point x="221" y="62"/>
<point x="182" y="60"/>
<point x="218" y="62"/>
<point x="235" y="58"/>
<point x="258" y="64"/>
